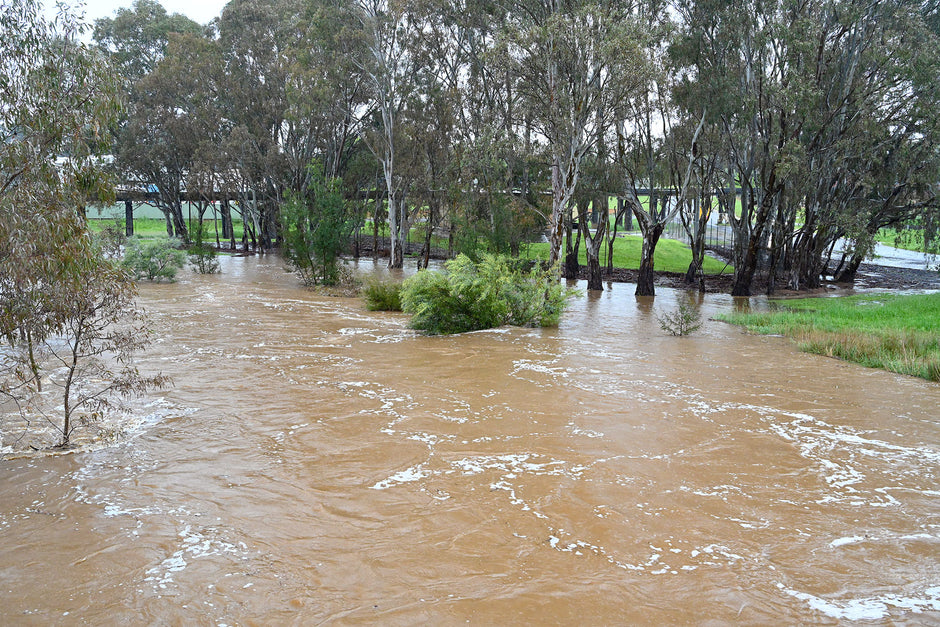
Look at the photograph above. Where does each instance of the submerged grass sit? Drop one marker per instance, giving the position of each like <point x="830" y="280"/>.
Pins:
<point x="893" y="332"/>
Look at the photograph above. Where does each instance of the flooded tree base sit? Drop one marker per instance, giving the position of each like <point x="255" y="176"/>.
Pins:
<point x="870" y="276"/>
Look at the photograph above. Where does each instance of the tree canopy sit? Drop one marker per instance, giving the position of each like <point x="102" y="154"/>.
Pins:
<point x="809" y="123"/>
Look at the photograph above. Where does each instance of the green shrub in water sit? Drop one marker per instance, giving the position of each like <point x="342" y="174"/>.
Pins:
<point x="154" y="260"/>
<point x="469" y="296"/>
<point x="317" y="227"/>
<point x="685" y="319"/>
<point x="382" y="296"/>
<point x="202" y="256"/>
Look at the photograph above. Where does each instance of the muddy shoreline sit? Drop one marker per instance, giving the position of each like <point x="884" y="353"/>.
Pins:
<point x="870" y="276"/>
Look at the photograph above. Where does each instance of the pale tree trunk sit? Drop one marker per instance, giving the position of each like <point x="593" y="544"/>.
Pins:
<point x="561" y="198"/>
<point x="652" y="230"/>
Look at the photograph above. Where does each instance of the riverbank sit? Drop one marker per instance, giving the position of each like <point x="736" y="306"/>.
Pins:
<point x="898" y="333"/>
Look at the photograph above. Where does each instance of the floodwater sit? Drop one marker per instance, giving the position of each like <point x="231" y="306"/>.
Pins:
<point x="316" y="463"/>
<point x="900" y="258"/>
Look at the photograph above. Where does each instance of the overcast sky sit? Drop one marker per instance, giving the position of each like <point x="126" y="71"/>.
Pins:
<point x="201" y="11"/>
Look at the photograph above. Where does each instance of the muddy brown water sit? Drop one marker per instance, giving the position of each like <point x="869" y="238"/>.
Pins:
<point x="316" y="463"/>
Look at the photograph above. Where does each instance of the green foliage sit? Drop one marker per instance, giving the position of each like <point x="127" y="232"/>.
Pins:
<point x="67" y="314"/>
<point x="896" y="333"/>
<point x="202" y="257"/>
<point x="154" y="260"/>
<point x="915" y="237"/>
<point x="683" y="320"/>
<point x="498" y="224"/>
<point x="469" y="296"/>
<point x="137" y="37"/>
<point x="110" y="237"/>
<point x="317" y="228"/>
<point x="382" y="296"/>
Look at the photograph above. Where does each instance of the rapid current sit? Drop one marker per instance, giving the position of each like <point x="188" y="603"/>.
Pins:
<point x="316" y="463"/>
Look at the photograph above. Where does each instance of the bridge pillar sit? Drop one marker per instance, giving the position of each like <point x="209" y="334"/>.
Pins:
<point x="128" y="218"/>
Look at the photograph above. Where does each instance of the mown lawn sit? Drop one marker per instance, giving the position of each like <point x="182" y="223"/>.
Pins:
<point x="900" y="333"/>
<point x="907" y="239"/>
<point x="671" y="255"/>
<point x="156" y="227"/>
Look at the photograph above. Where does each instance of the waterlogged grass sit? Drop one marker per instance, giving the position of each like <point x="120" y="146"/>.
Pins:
<point x="671" y="255"/>
<point x="892" y="332"/>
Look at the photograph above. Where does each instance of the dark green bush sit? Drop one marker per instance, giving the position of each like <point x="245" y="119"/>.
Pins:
<point x="382" y="296"/>
<point x="469" y="296"/>
<point x="317" y="228"/>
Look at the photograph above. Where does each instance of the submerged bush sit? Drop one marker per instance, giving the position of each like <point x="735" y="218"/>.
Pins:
<point x="317" y="228"/>
<point x="202" y="256"/>
<point x="683" y="320"/>
<point x="153" y="260"/>
<point x="469" y="296"/>
<point x="382" y="296"/>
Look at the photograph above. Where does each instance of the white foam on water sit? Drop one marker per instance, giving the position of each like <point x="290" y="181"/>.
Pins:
<point x="408" y="475"/>
<point x="196" y="544"/>
<point x="588" y="433"/>
<point x="872" y="608"/>
<point x="541" y="367"/>
<point x="848" y="540"/>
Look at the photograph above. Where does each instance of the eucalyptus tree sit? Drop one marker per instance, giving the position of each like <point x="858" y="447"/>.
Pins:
<point x="325" y="91"/>
<point x="901" y="151"/>
<point x="136" y="38"/>
<point x="444" y="126"/>
<point x="497" y="199"/>
<point x="152" y="147"/>
<point x="738" y="61"/>
<point x="62" y="303"/>
<point x="696" y="208"/>
<point x="814" y="99"/>
<point x="575" y="61"/>
<point x="870" y="143"/>
<point x="259" y="40"/>
<point x="655" y="147"/>
<point x="174" y="125"/>
<point x="388" y="64"/>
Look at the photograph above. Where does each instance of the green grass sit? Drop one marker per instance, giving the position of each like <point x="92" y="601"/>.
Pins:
<point x="671" y="255"/>
<point x="893" y="332"/>
<point x="151" y="228"/>
<point x="906" y="239"/>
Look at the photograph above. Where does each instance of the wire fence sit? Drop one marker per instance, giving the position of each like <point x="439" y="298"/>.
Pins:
<point x="716" y="235"/>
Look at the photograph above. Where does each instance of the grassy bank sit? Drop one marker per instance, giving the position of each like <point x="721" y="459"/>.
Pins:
<point x="907" y="239"/>
<point x="671" y="255"/>
<point x="156" y="227"/>
<point x="896" y="333"/>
